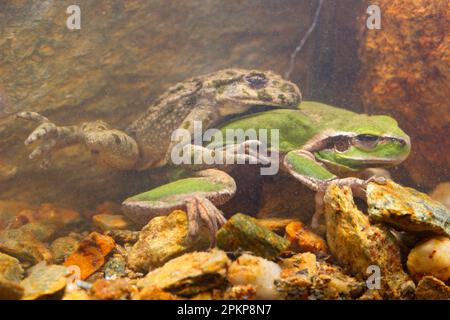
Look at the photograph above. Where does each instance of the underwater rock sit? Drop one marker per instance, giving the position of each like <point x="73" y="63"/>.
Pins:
<point x="257" y="272"/>
<point x="118" y="289"/>
<point x="431" y="288"/>
<point x="165" y="238"/>
<point x="115" y="267"/>
<point x="44" y="280"/>
<point x="441" y="193"/>
<point x="407" y="209"/>
<point x="242" y="233"/>
<point x="277" y="225"/>
<point x="124" y="236"/>
<point x="240" y="292"/>
<point x="63" y="247"/>
<point x="190" y="273"/>
<point x="10" y="276"/>
<point x="404" y="73"/>
<point x="154" y="293"/>
<point x="430" y="257"/>
<point x="304" y="277"/>
<point x="24" y="245"/>
<point x="90" y="254"/>
<point x="357" y="244"/>
<point x="106" y="222"/>
<point x="302" y="239"/>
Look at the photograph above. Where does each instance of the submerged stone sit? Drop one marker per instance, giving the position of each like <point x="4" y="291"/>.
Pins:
<point x="90" y="254"/>
<point x="63" y="247"/>
<point x="190" y="273"/>
<point x="242" y="233"/>
<point x="106" y="222"/>
<point x="10" y="276"/>
<point x="407" y="209"/>
<point x="165" y="238"/>
<point x="304" y="277"/>
<point x="44" y="280"/>
<point x="431" y="288"/>
<point x="358" y="245"/>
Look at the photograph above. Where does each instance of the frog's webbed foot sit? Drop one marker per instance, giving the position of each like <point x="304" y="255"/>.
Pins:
<point x="200" y="209"/>
<point x="198" y="196"/>
<point x="47" y="133"/>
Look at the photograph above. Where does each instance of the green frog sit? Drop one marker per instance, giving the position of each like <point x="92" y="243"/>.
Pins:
<point x="318" y="144"/>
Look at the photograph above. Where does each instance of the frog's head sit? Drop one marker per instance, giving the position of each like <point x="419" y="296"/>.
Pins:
<point x="362" y="142"/>
<point x="238" y="90"/>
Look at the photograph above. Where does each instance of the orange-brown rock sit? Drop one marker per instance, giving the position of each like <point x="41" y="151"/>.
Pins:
<point x="118" y="289"/>
<point x="90" y="254"/>
<point x="405" y="73"/>
<point x="304" y="240"/>
<point x="106" y="222"/>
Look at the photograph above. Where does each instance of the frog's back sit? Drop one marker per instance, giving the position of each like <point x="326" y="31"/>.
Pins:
<point x="153" y="129"/>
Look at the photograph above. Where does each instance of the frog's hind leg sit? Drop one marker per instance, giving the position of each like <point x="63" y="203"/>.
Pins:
<point x="198" y="195"/>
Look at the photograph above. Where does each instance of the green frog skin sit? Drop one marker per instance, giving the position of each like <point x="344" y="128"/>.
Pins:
<point x="318" y="144"/>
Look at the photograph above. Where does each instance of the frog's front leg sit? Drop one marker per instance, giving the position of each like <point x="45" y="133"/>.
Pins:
<point x="302" y="165"/>
<point x="224" y="157"/>
<point x="198" y="196"/>
<point x="111" y="147"/>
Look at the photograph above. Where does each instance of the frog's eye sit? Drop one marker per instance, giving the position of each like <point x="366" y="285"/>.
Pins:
<point x="366" y="141"/>
<point x="256" y="80"/>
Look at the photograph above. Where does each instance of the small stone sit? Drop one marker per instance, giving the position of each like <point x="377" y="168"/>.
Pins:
<point x="10" y="276"/>
<point x="190" y="273"/>
<point x="44" y="280"/>
<point x="431" y="288"/>
<point x="24" y="245"/>
<point x="90" y="254"/>
<point x="165" y="238"/>
<point x="257" y="272"/>
<point x="430" y="257"/>
<point x="242" y="232"/>
<point x="305" y="278"/>
<point x="63" y="247"/>
<point x="124" y="236"/>
<point x="115" y="267"/>
<point x="154" y="293"/>
<point x="106" y="222"/>
<point x="407" y="209"/>
<point x="357" y="244"/>
<point x="302" y="239"/>
<point x="277" y="225"/>
<point x="118" y="289"/>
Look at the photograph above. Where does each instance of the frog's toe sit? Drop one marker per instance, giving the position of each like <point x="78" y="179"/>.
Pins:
<point x="201" y="210"/>
<point x="45" y="130"/>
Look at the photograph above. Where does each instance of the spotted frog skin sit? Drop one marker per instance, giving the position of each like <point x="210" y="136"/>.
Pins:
<point x="146" y="143"/>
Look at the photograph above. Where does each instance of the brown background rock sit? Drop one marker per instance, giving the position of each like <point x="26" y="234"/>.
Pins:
<point x="406" y="73"/>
